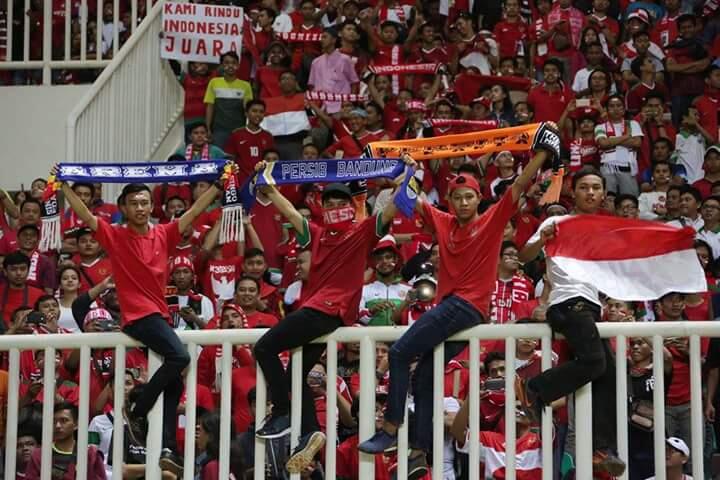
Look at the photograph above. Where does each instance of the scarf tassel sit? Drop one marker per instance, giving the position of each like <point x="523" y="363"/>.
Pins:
<point x="50" y="232"/>
<point x="231" y="224"/>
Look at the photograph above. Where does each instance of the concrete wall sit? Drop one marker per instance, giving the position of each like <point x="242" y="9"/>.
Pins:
<point x="32" y="130"/>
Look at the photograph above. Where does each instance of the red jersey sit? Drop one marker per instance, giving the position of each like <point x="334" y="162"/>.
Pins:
<point x="93" y="273"/>
<point x="604" y="21"/>
<point x="338" y="267"/>
<point x="41" y="273"/>
<point x="470" y="251"/>
<point x="548" y="105"/>
<point x="510" y="37"/>
<point x="269" y="80"/>
<point x="507" y="295"/>
<point x="195" y="87"/>
<point x="665" y="31"/>
<point x="219" y="276"/>
<point x="350" y="145"/>
<point x="267" y="221"/>
<point x="209" y="367"/>
<point x="247" y="149"/>
<point x="107" y="211"/>
<point x="139" y="265"/>
<point x="583" y="152"/>
<point x="635" y="96"/>
<point x="708" y="106"/>
<point x="168" y="190"/>
<point x="11" y="299"/>
<point x="243" y="380"/>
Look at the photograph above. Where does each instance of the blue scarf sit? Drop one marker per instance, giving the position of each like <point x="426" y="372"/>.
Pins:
<point x="290" y="172"/>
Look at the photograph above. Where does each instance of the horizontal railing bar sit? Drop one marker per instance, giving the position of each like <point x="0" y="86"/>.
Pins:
<point x="67" y="64"/>
<point x="355" y="334"/>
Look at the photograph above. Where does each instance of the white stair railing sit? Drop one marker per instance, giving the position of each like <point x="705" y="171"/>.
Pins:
<point x="131" y="107"/>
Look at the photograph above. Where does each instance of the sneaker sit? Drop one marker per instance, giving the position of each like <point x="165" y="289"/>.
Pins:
<point x="417" y="467"/>
<point x="381" y="442"/>
<point x="305" y="452"/>
<point x="606" y="461"/>
<point x="171" y="462"/>
<point x="530" y="402"/>
<point x="274" y="427"/>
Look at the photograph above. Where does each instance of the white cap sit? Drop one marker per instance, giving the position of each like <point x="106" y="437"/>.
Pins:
<point x="679" y="445"/>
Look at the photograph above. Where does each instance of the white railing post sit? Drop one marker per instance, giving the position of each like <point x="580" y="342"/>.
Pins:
<point x="296" y="404"/>
<point x="47" y="41"/>
<point x="118" y="413"/>
<point x="583" y="432"/>
<point x="697" y="416"/>
<point x="474" y="417"/>
<point x="331" y="404"/>
<point x="659" y="406"/>
<point x="13" y="403"/>
<point x="83" y="413"/>
<point x="49" y="385"/>
<point x="547" y="418"/>
<point x="190" y="413"/>
<point x="510" y="408"/>
<point x="260" y="412"/>
<point x="438" y="423"/>
<point x="367" y="404"/>
<point x="621" y="402"/>
<point x="155" y="426"/>
<point x="226" y="419"/>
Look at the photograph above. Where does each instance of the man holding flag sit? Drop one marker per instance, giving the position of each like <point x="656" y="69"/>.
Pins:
<point x="469" y="247"/>
<point x="615" y="254"/>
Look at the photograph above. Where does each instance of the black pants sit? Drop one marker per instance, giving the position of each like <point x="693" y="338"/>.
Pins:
<point x="155" y="332"/>
<point x="594" y="362"/>
<point x="296" y="330"/>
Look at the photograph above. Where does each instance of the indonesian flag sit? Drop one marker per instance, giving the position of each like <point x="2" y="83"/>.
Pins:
<point x="285" y="115"/>
<point x="627" y="259"/>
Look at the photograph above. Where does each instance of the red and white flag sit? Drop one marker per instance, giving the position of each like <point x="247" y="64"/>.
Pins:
<point x="627" y="259"/>
<point x="285" y="115"/>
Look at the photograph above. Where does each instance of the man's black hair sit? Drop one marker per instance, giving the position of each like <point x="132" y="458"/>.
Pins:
<point x="640" y="33"/>
<point x="255" y="101"/>
<point x="245" y="276"/>
<point x="33" y="201"/>
<point x="626" y="196"/>
<point x="687" y="189"/>
<point x="557" y="63"/>
<point x="60" y="406"/>
<point x="195" y="125"/>
<point x="507" y="244"/>
<point x="253" y="252"/>
<point x="89" y="186"/>
<point x="586" y="171"/>
<point x="492" y="357"/>
<point x="230" y="54"/>
<point x="132" y="188"/>
<point x="175" y="157"/>
<point x="44" y="298"/>
<point x="16" y="258"/>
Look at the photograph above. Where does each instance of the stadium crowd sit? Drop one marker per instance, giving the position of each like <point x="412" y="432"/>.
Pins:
<point x="633" y="88"/>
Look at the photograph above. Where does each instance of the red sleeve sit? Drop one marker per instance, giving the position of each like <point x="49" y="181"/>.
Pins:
<point x="105" y="236"/>
<point x="173" y="235"/>
<point x="436" y="219"/>
<point x="343" y="467"/>
<point x="211" y="471"/>
<point x="32" y="472"/>
<point x="230" y="146"/>
<point x="333" y="148"/>
<point x="206" y="367"/>
<point x="205" y="398"/>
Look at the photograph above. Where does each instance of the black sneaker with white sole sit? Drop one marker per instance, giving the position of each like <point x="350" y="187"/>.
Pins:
<point x="171" y="462"/>
<point x="305" y="452"/>
<point x="274" y="427"/>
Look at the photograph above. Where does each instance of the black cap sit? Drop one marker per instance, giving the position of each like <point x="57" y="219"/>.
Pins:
<point x="336" y="189"/>
<point x="82" y="231"/>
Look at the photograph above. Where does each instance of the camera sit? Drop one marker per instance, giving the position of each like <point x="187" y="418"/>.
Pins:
<point x="106" y="325"/>
<point x="425" y="291"/>
<point x="35" y="318"/>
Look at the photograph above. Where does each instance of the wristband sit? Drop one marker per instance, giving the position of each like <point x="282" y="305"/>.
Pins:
<point x="219" y="184"/>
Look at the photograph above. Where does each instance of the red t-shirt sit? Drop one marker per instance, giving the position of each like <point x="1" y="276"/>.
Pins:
<point x="41" y="273"/>
<point x="708" y="106"/>
<point x="243" y="380"/>
<point x="704" y="186"/>
<point x="93" y="273"/>
<point x="507" y="294"/>
<point x="269" y="80"/>
<point x="260" y="320"/>
<point x="665" y="31"/>
<point x="168" y="190"/>
<point x="470" y="252"/>
<point x="11" y="299"/>
<point x="219" y="276"/>
<point x="267" y="221"/>
<point x="139" y="265"/>
<point x="583" y="152"/>
<point x="338" y="267"/>
<point x="247" y="149"/>
<point x="510" y="36"/>
<point x="549" y="105"/>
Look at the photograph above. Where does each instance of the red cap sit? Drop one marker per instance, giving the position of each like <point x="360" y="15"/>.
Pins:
<point x="464" y="181"/>
<point x="387" y="242"/>
<point x="482" y="100"/>
<point x="182" y="261"/>
<point x="236" y="308"/>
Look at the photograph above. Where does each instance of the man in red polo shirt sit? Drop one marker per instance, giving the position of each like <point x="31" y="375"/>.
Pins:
<point x="15" y="291"/>
<point x="469" y="247"/>
<point x="93" y="266"/>
<point x="550" y="98"/>
<point x="139" y="254"/>
<point x="708" y="105"/>
<point x="331" y="296"/>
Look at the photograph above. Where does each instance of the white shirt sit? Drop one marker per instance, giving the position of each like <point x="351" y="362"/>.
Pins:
<point x="647" y="202"/>
<point x="697" y="224"/>
<point x="283" y="23"/>
<point x="564" y="287"/>
<point x="67" y="321"/>
<point x="103" y="427"/>
<point x="581" y="81"/>
<point x="207" y="311"/>
<point x="619" y="156"/>
<point x="690" y="153"/>
<point x="712" y="239"/>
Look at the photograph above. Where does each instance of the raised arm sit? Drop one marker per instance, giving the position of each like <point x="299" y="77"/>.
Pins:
<point x="202" y="203"/>
<point x="284" y="206"/>
<point x="82" y="211"/>
<point x="546" y="145"/>
<point x="389" y="211"/>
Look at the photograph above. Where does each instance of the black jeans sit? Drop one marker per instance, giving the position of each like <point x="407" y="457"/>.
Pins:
<point x="155" y="332"/>
<point x="296" y="330"/>
<point x="594" y="362"/>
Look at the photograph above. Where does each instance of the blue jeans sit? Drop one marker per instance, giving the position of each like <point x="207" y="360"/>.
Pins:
<point x="451" y="316"/>
<point x="155" y="332"/>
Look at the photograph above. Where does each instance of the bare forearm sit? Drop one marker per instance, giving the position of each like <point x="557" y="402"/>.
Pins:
<point x="200" y="205"/>
<point x="10" y="207"/>
<point x="712" y="384"/>
<point x="286" y="208"/>
<point x="523" y="181"/>
<point x="531" y="251"/>
<point x="209" y="114"/>
<point x="460" y="422"/>
<point x="254" y="237"/>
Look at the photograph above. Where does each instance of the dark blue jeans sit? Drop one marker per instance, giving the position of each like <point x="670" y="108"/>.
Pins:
<point x="451" y="316"/>
<point x="155" y="332"/>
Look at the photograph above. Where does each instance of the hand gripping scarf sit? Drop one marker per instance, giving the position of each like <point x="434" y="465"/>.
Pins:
<point x="148" y="172"/>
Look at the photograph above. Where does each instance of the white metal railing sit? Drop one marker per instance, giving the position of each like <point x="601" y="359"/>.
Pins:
<point x="131" y="107"/>
<point x="72" y="37"/>
<point x="366" y="337"/>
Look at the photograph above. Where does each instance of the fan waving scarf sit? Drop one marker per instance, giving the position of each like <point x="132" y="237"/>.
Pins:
<point x="627" y="259"/>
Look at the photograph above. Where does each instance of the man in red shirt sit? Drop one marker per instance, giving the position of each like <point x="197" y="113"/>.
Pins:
<point x="550" y="98"/>
<point x="511" y="33"/>
<point x="139" y="254"/>
<point x="708" y="105"/>
<point x="331" y="296"/>
<point x="247" y="144"/>
<point x="511" y="286"/>
<point x="86" y="192"/>
<point x="94" y="268"/>
<point x="469" y="247"/>
<point x="16" y="292"/>
<point x="42" y="270"/>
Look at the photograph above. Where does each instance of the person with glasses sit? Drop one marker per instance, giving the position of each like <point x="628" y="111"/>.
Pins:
<point x="512" y="287"/>
<point x="627" y="206"/>
<point x="710" y="231"/>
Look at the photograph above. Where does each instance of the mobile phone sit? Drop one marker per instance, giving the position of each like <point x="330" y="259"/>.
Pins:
<point x="35" y="318"/>
<point x="495" y="384"/>
<point x="582" y="102"/>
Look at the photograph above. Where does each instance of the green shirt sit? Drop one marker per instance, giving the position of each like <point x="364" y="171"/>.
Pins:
<point x="229" y="100"/>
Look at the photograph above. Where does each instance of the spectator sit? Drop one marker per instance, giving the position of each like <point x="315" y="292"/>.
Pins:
<point x="686" y="62"/>
<point x="707" y="104"/>
<point x="255" y="266"/>
<point x="594" y="57"/>
<point x="199" y="147"/>
<point x="247" y="145"/>
<point x="654" y="127"/>
<point x="690" y="146"/>
<point x="15" y="291"/>
<point x="549" y="99"/>
<point x="225" y="100"/>
<point x="710" y="231"/>
<point x="644" y="71"/>
<point x="689" y="208"/>
<point x="65" y="423"/>
<point x="207" y="445"/>
<point x="332" y="71"/>
<point x="642" y="46"/>
<point x="69" y="287"/>
<point x="188" y="310"/>
<point x="511" y="33"/>
<point x="71" y="223"/>
<point x="711" y="167"/>
<point x="194" y="83"/>
<point x="639" y="21"/>
<point x="93" y="266"/>
<point x="247" y="296"/>
<point x="626" y="206"/>
<point x="652" y="204"/>
<point x="511" y="286"/>
<point x="383" y="297"/>
<point x="27" y="441"/>
<point x="41" y="273"/>
<point x="286" y="118"/>
<point x="619" y="141"/>
<point x="677" y="455"/>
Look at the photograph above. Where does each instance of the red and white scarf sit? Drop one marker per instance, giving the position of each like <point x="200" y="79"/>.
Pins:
<point x="298" y="37"/>
<point x="335" y="97"/>
<point x="204" y="154"/>
<point x="457" y="122"/>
